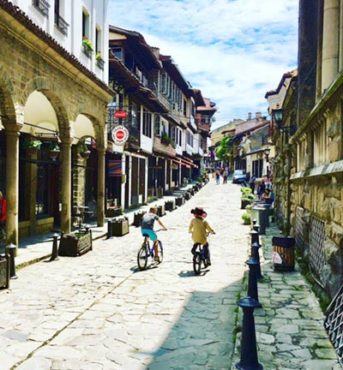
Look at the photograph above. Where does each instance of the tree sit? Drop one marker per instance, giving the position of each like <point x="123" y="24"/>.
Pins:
<point x="224" y="149"/>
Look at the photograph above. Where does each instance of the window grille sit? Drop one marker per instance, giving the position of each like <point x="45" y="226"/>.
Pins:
<point x="317" y="256"/>
<point x="334" y="324"/>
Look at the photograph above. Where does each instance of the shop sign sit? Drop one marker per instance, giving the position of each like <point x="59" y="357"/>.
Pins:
<point x="120" y="114"/>
<point x="120" y="134"/>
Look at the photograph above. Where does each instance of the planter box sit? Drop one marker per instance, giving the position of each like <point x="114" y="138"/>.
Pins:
<point x="180" y="201"/>
<point x="160" y="211"/>
<point x="113" y="212"/>
<point x="137" y="218"/>
<point x="169" y="205"/>
<point x="118" y="227"/>
<point x="187" y="196"/>
<point x="75" y="244"/>
<point x="4" y="271"/>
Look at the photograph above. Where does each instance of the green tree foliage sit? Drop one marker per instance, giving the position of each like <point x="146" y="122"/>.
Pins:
<point x="224" y="149"/>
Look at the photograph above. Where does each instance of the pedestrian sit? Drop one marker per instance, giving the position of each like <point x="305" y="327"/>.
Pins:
<point x="3" y="215"/>
<point x="147" y="228"/>
<point x="199" y="228"/>
<point x="225" y="176"/>
<point x="252" y="183"/>
<point x="217" y="176"/>
<point x="261" y="189"/>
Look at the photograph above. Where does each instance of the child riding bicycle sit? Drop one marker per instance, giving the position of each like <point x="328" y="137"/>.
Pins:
<point x="199" y="228"/>
<point x="147" y="228"/>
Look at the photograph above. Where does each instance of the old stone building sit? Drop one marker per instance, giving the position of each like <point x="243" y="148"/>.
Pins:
<point x="316" y="180"/>
<point x="53" y="98"/>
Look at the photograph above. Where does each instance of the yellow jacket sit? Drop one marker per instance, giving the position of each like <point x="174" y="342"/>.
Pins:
<point x="199" y="229"/>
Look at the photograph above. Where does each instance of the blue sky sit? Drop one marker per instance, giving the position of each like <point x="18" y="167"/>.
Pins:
<point x="233" y="50"/>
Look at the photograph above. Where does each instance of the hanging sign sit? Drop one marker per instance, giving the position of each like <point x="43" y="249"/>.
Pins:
<point x="120" y="114"/>
<point x="120" y="134"/>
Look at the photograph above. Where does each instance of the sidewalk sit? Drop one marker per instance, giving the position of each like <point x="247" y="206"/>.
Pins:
<point x="39" y="247"/>
<point x="289" y="326"/>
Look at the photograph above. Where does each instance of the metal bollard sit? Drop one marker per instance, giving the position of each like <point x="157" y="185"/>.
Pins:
<point x="256" y="255"/>
<point x="11" y="250"/>
<point x="255" y="237"/>
<point x="54" y="253"/>
<point x="249" y="359"/>
<point x="252" y="281"/>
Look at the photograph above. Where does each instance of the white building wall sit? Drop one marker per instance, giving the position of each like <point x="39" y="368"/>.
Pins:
<point x="71" y="12"/>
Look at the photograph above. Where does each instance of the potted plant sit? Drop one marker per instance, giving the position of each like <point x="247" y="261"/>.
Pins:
<point x="84" y="150"/>
<point x="247" y="197"/>
<point x="99" y="61"/>
<point x="76" y="243"/>
<point x="87" y="46"/>
<point x="54" y="150"/>
<point x="246" y="217"/>
<point x="118" y="226"/>
<point x="32" y="146"/>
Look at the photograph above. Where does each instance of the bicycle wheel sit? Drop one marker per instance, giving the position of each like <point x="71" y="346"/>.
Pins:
<point x="142" y="257"/>
<point x="197" y="263"/>
<point x="160" y="251"/>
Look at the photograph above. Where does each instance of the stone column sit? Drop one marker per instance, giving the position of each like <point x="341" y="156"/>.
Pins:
<point x="330" y="42"/>
<point x="101" y="187"/>
<point x="66" y="184"/>
<point x="12" y="185"/>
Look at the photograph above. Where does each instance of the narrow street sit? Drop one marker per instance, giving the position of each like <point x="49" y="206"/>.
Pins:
<point x="98" y="312"/>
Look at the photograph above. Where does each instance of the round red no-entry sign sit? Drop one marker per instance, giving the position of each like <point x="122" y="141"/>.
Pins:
<point x="120" y="134"/>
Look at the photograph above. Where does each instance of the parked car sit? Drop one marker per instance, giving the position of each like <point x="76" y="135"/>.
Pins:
<point x="239" y="176"/>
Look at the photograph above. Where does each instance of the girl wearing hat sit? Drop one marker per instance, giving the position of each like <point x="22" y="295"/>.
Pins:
<point x="199" y="228"/>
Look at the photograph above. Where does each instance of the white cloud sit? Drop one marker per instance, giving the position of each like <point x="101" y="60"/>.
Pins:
<point x="233" y="50"/>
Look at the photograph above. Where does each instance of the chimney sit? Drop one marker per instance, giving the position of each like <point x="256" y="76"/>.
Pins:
<point x="258" y="115"/>
<point x="249" y="115"/>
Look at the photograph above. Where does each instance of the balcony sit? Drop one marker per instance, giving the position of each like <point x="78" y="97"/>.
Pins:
<point x="163" y="146"/>
<point x="42" y="6"/>
<point x="61" y="24"/>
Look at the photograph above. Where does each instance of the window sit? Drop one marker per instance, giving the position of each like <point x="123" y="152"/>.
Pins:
<point x="184" y="107"/>
<point x="320" y="145"/>
<point x="157" y="125"/>
<point x="180" y="138"/>
<point x="60" y="23"/>
<point x="85" y="24"/>
<point x="189" y="139"/>
<point x="42" y="6"/>
<point x="147" y="123"/>
<point x="134" y="115"/>
<point x="98" y="40"/>
<point x="117" y="52"/>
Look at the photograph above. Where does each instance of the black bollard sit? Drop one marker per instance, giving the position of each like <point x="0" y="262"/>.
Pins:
<point x="11" y="250"/>
<point x="252" y="281"/>
<point x="249" y="359"/>
<point x="255" y="237"/>
<point x="256" y="255"/>
<point x="256" y="227"/>
<point x="54" y="253"/>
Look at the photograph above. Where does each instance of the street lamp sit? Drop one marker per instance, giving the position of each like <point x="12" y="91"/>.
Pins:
<point x="266" y="153"/>
<point x="277" y="114"/>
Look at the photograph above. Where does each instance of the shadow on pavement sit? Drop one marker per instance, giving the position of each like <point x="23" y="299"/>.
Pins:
<point x="204" y="335"/>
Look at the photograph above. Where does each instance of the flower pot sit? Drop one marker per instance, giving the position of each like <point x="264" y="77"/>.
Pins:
<point x="244" y="203"/>
<point x="75" y="244"/>
<point x="118" y="226"/>
<point x="160" y="211"/>
<point x="137" y="218"/>
<point x="85" y="154"/>
<point x="53" y="154"/>
<point x="179" y="201"/>
<point x="169" y="205"/>
<point x="4" y="271"/>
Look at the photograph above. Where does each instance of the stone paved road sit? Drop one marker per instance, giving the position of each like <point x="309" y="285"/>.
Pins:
<point x="98" y="312"/>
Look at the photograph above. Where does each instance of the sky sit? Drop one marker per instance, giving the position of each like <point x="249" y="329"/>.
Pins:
<point x="233" y="50"/>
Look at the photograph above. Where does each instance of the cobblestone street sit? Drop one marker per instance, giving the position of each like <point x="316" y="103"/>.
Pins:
<point x="98" y="312"/>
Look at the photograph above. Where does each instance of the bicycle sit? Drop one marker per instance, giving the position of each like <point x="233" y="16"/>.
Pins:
<point x="145" y="252"/>
<point x="200" y="259"/>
